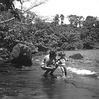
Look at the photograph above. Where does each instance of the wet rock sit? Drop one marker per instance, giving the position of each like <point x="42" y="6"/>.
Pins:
<point x="76" y="56"/>
<point x="21" y="55"/>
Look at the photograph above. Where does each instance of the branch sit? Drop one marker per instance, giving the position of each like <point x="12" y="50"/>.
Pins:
<point x="23" y="12"/>
<point x="25" y="42"/>
<point x="23" y="23"/>
<point x="33" y="6"/>
<point x="5" y="21"/>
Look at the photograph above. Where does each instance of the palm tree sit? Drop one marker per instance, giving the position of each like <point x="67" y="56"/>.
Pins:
<point x="62" y="19"/>
<point x="56" y="19"/>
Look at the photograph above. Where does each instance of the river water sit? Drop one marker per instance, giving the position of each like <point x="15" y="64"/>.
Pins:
<point x="82" y="82"/>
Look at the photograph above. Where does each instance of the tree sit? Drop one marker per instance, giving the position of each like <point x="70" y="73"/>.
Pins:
<point x="90" y="22"/>
<point x="8" y="4"/>
<point x="76" y="20"/>
<point x="80" y="21"/>
<point x="33" y="4"/>
<point x="15" y="30"/>
<point x="56" y="19"/>
<point x="62" y="19"/>
<point x="72" y="20"/>
<point x="5" y="5"/>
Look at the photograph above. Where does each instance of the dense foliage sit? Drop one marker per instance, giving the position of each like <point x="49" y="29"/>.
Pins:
<point x="37" y="33"/>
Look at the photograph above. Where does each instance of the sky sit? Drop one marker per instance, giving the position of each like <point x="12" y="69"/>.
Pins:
<point x="67" y="7"/>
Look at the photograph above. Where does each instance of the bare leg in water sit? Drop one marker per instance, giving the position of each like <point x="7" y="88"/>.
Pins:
<point x="63" y="71"/>
<point x="46" y="73"/>
<point x="52" y="71"/>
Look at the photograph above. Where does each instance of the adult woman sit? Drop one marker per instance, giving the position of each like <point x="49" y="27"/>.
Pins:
<point x="50" y="63"/>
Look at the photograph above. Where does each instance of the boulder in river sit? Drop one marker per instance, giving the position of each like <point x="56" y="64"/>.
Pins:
<point x="76" y="56"/>
<point x="21" y="55"/>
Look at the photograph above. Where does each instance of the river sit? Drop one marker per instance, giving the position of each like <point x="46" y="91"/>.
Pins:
<point x="82" y="82"/>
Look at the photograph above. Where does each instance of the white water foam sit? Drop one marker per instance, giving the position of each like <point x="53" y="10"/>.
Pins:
<point x="81" y="71"/>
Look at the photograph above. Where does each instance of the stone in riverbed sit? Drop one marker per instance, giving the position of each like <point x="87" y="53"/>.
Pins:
<point x="76" y="56"/>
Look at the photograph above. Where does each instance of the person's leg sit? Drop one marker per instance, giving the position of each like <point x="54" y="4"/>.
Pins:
<point x="46" y="73"/>
<point x="52" y="71"/>
<point x="64" y="71"/>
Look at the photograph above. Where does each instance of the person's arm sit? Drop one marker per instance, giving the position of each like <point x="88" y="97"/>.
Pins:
<point x="65" y="59"/>
<point x="44" y="61"/>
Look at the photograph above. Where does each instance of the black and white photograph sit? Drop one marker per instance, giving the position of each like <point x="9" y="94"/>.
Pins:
<point x="49" y="49"/>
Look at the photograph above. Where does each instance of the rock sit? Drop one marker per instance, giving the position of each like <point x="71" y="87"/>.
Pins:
<point x="76" y="56"/>
<point x="21" y="55"/>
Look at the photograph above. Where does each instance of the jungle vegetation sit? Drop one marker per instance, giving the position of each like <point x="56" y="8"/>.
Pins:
<point x="26" y="26"/>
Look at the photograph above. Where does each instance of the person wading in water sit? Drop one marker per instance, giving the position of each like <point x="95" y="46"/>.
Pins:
<point x="50" y="61"/>
<point x="61" y="61"/>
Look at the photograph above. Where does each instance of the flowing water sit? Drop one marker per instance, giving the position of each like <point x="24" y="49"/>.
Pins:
<point x="82" y="82"/>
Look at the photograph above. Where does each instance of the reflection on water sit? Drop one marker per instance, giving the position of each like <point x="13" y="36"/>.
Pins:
<point x="49" y="87"/>
<point x="54" y="88"/>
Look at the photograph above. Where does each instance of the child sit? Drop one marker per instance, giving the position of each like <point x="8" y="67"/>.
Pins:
<point x="62" y="62"/>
